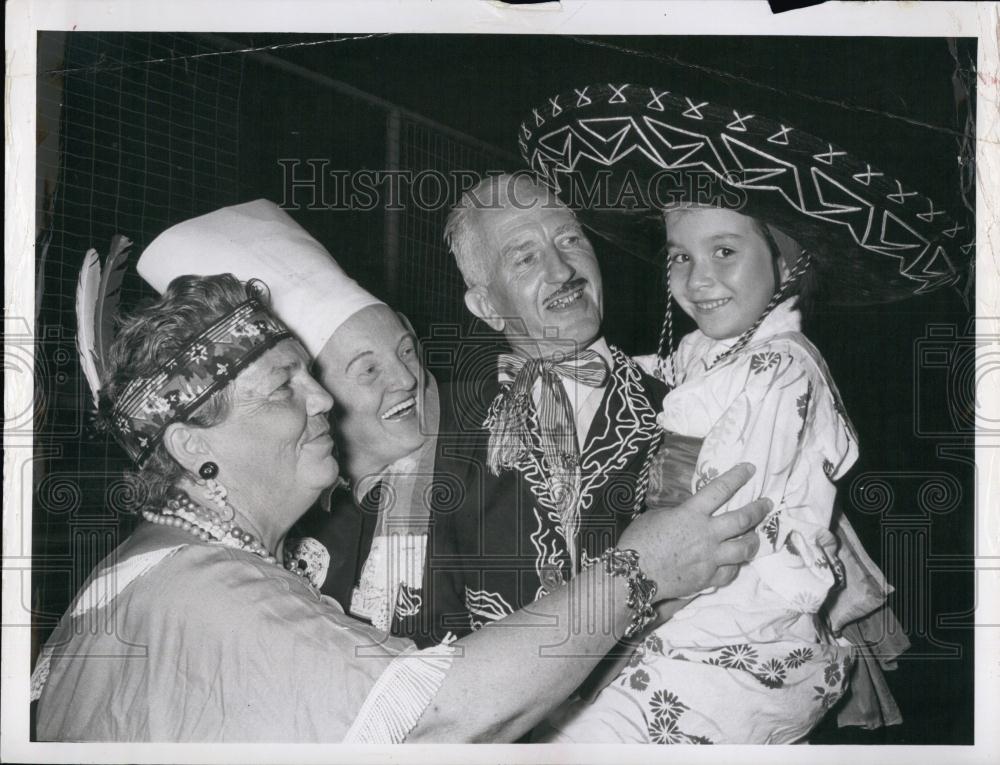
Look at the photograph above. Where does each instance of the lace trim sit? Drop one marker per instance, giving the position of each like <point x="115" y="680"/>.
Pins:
<point x="395" y="560"/>
<point x="307" y="557"/>
<point x="41" y="674"/>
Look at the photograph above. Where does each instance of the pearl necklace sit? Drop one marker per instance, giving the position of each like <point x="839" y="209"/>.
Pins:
<point x="182" y="513"/>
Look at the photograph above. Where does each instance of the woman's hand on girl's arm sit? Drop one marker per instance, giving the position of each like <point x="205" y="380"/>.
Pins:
<point x="507" y="677"/>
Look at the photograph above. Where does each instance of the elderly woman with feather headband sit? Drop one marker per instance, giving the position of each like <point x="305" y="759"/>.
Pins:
<point x="783" y="217"/>
<point x="364" y="543"/>
<point x="192" y="630"/>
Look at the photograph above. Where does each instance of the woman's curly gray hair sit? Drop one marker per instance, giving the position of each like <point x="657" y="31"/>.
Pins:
<point x="149" y="338"/>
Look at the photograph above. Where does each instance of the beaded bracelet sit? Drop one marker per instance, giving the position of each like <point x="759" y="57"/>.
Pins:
<point x="641" y="589"/>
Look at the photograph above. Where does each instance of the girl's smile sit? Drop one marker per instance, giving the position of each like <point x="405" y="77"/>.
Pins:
<point x="722" y="270"/>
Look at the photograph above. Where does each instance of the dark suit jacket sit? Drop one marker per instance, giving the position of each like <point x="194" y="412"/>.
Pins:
<point x="496" y="543"/>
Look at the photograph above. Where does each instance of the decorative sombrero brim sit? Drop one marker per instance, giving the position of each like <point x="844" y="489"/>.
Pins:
<point x="621" y="153"/>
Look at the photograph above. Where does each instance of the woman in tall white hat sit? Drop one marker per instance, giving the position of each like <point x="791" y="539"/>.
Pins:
<point x="364" y="543"/>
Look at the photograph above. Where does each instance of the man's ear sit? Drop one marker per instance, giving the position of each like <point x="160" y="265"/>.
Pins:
<point x="187" y="445"/>
<point x="477" y="300"/>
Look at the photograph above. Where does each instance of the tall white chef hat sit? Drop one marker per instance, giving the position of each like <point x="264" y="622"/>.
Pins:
<point x="258" y="240"/>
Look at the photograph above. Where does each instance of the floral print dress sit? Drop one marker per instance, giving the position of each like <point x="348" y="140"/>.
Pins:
<point x="753" y="661"/>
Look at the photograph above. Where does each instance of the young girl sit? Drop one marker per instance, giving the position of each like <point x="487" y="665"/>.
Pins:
<point x="753" y="661"/>
<point x="762" y="658"/>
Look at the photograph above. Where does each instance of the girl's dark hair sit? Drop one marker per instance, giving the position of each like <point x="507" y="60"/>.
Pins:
<point x="149" y="338"/>
<point x="804" y="288"/>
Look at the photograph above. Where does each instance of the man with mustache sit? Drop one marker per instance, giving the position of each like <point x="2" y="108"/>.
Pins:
<point x="370" y="538"/>
<point x="550" y="448"/>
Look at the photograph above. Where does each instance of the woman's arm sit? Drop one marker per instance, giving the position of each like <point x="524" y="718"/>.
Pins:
<point x="611" y="665"/>
<point x="508" y="676"/>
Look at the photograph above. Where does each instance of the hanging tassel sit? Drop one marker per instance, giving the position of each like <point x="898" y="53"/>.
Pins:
<point x="508" y="428"/>
<point x="564" y="486"/>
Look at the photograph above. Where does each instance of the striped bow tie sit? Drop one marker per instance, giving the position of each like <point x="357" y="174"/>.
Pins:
<point x="509" y="437"/>
<point x="587" y="367"/>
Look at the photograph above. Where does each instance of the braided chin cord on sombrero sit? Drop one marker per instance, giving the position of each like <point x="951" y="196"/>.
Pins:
<point x="800" y="267"/>
<point x="665" y="347"/>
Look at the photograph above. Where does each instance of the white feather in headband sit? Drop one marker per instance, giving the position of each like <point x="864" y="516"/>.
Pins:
<point x="97" y="294"/>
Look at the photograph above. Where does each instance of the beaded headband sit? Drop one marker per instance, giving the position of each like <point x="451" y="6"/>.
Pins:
<point x="204" y="366"/>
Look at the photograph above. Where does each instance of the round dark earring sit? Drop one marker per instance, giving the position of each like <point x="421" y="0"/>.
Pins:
<point x="208" y="470"/>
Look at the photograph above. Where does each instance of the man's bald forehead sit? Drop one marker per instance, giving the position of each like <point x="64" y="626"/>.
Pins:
<point x="493" y="194"/>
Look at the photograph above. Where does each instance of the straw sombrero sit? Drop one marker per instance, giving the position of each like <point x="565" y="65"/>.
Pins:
<point x="620" y="153"/>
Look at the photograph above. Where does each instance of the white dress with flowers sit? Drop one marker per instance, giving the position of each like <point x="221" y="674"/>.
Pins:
<point x="753" y="661"/>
